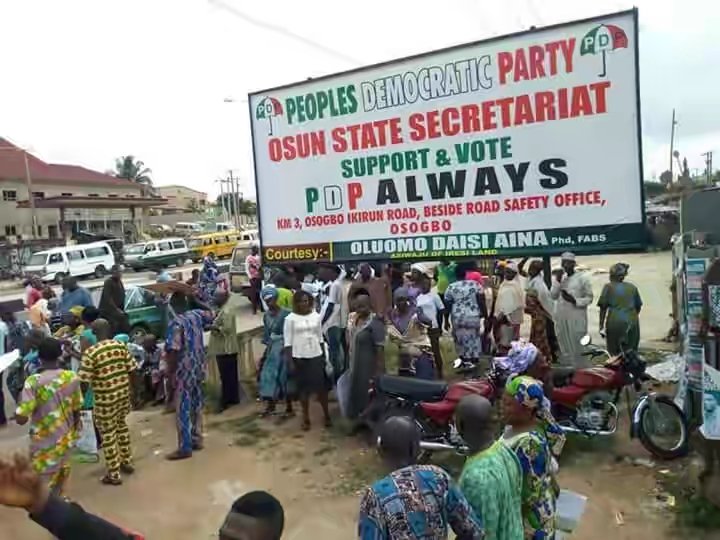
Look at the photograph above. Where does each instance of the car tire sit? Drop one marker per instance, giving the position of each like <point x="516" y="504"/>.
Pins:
<point x="100" y="271"/>
<point x="59" y="277"/>
<point x="138" y="331"/>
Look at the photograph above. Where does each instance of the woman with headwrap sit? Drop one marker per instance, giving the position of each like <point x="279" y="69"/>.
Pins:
<point x="535" y="438"/>
<point x="273" y="380"/>
<point x="620" y="306"/>
<point x="208" y="279"/>
<point x="524" y="358"/>
<point x="408" y="328"/>
<point x="465" y="302"/>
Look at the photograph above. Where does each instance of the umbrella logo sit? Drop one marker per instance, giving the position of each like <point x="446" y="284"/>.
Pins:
<point x="603" y="39"/>
<point x="269" y="108"/>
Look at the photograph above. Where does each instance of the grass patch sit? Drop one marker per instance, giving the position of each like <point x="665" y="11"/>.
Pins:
<point x="696" y="512"/>
<point x="251" y="433"/>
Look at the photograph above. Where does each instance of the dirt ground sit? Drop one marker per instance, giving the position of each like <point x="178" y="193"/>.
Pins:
<point x="319" y="476"/>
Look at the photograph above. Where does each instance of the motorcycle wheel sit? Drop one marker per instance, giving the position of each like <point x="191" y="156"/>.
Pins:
<point x="659" y="416"/>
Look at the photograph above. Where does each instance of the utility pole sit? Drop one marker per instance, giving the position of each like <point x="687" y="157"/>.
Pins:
<point x="708" y="165"/>
<point x="672" y="143"/>
<point x="222" y="199"/>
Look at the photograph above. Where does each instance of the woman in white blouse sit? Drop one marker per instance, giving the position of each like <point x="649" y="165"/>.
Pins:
<point x="304" y="350"/>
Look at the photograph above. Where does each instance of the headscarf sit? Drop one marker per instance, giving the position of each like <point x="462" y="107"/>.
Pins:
<point x="474" y="275"/>
<point x="511" y="265"/>
<point x="529" y="393"/>
<point x="269" y="293"/>
<point x="77" y="311"/>
<point x="89" y="335"/>
<point x="520" y="357"/>
<point x="567" y="256"/>
<point x="420" y="267"/>
<point x="122" y="338"/>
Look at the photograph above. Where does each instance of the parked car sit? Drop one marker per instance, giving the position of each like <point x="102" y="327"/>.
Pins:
<point x="220" y="244"/>
<point x="186" y="229"/>
<point x="155" y="254"/>
<point x="144" y="314"/>
<point x="96" y="258"/>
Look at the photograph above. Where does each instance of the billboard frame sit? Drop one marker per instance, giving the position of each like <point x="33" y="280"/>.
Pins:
<point x="533" y="30"/>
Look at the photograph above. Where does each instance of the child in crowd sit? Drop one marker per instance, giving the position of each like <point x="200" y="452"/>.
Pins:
<point x="51" y="399"/>
<point x="154" y="375"/>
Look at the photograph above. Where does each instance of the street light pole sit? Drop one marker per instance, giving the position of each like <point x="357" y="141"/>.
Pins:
<point x="31" y="198"/>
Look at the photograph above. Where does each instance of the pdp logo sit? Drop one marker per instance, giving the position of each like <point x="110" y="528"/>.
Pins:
<point x="602" y="39"/>
<point x="269" y="108"/>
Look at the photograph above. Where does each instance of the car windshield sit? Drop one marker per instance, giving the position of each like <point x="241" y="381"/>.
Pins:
<point x="137" y="248"/>
<point x="239" y="256"/>
<point x="38" y="259"/>
<point x="196" y="242"/>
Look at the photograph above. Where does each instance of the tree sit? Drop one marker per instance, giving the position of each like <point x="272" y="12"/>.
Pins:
<point x="653" y="189"/>
<point x="244" y="206"/>
<point x="134" y="170"/>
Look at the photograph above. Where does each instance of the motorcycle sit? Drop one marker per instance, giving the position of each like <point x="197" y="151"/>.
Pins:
<point x="431" y="404"/>
<point x="585" y="401"/>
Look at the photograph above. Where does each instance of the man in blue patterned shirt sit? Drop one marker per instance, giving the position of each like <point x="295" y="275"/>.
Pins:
<point x="415" y="502"/>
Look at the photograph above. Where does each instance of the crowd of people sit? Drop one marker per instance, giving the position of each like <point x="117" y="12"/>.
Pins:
<point x="326" y="331"/>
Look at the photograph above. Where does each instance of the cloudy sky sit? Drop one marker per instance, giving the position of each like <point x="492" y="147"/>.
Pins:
<point x="85" y="81"/>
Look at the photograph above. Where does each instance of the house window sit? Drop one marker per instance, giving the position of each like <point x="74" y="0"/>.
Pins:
<point x="53" y="231"/>
<point x="10" y="230"/>
<point x="93" y="195"/>
<point x="9" y="195"/>
<point x="66" y="194"/>
<point x="113" y="195"/>
<point x="39" y="230"/>
<point x="130" y="196"/>
<point x="38" y="194"/>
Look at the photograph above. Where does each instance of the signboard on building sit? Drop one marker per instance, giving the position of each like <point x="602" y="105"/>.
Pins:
<point x="528" y="143"/>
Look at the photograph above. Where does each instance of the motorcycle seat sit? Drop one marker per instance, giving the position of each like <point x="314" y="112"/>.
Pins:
<point x="412" y="388"/>
<point x="560" y="375"/>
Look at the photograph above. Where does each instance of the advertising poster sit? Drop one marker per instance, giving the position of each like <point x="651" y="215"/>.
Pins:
<point x="528" y="143"/>
<point x="711" y="403"/>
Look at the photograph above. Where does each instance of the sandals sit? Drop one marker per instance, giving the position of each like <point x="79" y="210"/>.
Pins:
<point x="110" y="481"/>
<point x="177" y="455"/>
<point x="126" y="468"/>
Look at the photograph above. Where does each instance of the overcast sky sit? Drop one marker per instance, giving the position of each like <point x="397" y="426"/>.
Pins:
<point x="85" y="81"/>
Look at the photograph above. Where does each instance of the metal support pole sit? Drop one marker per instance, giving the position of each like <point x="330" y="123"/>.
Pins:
<point x="31" y="198"/>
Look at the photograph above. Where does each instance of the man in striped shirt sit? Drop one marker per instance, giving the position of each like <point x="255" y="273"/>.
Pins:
<point x="106" y="367"/>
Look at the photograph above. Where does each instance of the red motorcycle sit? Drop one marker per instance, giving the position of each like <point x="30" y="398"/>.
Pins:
<point x="586" y="401"/>
<point x="431" y="403"/>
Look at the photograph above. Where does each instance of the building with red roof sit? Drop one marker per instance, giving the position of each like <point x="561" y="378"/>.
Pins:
<point x="65" y="196"/>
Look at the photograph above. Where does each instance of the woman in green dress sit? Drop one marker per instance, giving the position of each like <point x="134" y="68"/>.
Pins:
<point x="532" y="434"/>
<point x="274" y="378"/>
<point x="620" y="306"/>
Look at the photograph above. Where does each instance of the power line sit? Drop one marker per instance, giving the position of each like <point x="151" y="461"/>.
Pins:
<point x="285" y="32"/>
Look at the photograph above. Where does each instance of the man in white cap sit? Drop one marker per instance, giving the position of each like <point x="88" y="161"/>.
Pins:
<point x="573" y="292"/>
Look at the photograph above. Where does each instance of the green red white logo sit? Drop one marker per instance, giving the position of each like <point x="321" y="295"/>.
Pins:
<point x="269" y="108"/>
<point x="602" y="39"/>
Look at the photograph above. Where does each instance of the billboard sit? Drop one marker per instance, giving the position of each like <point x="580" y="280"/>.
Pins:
<point x="523" y="144"/>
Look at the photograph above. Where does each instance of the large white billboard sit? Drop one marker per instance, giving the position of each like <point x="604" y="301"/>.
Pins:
<point x="528" y="143"/>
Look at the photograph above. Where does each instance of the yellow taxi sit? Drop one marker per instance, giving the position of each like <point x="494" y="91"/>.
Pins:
<point x="220" y="244"/>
